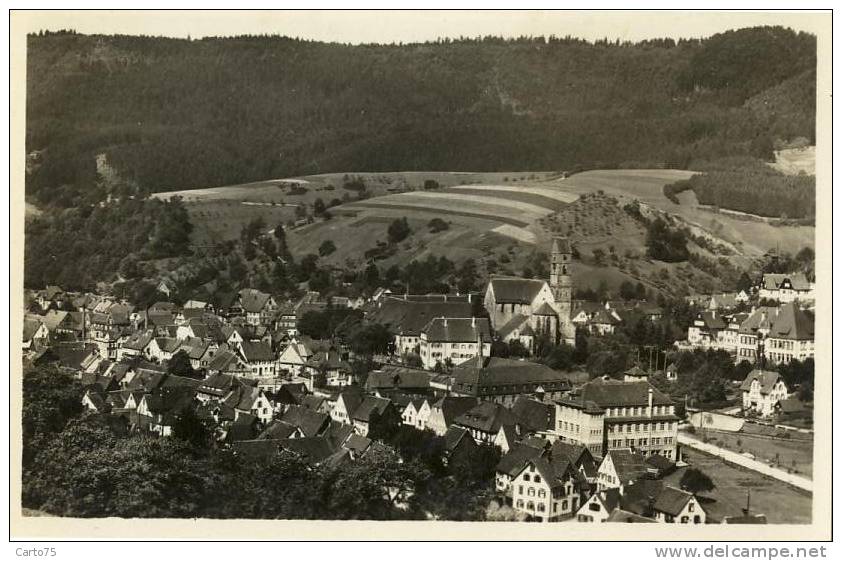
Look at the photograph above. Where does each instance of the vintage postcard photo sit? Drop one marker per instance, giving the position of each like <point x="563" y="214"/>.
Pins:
<point x="304" y="273"/>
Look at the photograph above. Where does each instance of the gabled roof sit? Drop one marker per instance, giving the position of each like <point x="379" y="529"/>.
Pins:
<point x="224" y="361"/>
<point x="454" y="436"/>
<point x="138" y="341"/>
<point x="628" y="465"/>
<point x="257" y="351"/>
<point x="604" y="317"/>
<point x="400" y="377"/>
<point x="30" y="328"/>
<point x="357" y="443"/>
<point x="253" y="300"/>
<point x="512" y="462"/>
<point x="624" y="516"/>
<point x="791" y="322"/>
<point x="457" y="330"/>
<point x="310" y="422"/>
<point x="533" y="415"/>
<point x="672" y="501"/>
<point x="409" y="317"/>
<point x="713" y="320"/>
<point x="370" y="405"/>
<point x="168" y="344"/>
<point x="578" y="455"/>
<point x="773" y="281"/>
<point x="453" y="406"/>
<point x="312" y="450"/>
<point x="486" y="417"/>
<point x="515" y="290"/>
<point x="54" y="318"/>
<point x="767" y="379"/>
<point x="277" y="430"/>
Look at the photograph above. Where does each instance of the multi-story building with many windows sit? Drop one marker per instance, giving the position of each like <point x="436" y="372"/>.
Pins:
<point x="607" y="415"/>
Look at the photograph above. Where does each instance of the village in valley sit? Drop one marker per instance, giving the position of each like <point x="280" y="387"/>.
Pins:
<point x="469" y="370"/>
<point x="589" y="297"/>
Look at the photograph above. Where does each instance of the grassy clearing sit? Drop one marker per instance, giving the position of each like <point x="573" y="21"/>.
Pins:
<point x="788" y="454"/>
<point x="780" y="503"/>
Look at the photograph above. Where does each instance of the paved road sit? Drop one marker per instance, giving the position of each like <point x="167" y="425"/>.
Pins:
<point x="754" y="465"/>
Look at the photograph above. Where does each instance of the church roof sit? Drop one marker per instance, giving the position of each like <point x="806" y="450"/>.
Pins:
<point x="514" y="290"/>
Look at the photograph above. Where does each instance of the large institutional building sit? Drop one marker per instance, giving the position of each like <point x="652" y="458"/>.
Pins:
<point x="521" y="308"/>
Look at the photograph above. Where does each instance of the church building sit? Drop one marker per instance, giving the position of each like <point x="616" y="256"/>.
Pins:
<point x="520" y="308"/>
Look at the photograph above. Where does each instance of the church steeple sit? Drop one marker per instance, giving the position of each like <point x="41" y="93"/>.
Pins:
<point x="560" y="281"/>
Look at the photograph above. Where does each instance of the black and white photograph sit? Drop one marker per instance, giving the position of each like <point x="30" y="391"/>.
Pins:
<point x="554" y="269"/>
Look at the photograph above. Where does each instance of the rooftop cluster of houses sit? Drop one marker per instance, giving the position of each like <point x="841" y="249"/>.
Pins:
<point x="772" y="334"/>
<point x="552" y="481"/>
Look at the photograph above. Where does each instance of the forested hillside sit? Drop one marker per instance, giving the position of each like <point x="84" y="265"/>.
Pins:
<point x="175" y="114"/>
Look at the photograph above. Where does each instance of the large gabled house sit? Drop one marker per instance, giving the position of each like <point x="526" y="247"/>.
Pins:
<point x="407" y="316"/>
<point x="785" y="288"/>
<point x="548" y="489"/>
<point x="454" y="341"/>
<point x="258" y="307"/>
<point x="294" y="357"/>
<point x="260" y="361"/>
<point x="763" y="390"/>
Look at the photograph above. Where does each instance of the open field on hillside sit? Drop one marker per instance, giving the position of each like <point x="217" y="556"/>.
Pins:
<point x="780" y="503"/>
<point x="751" y="237"/>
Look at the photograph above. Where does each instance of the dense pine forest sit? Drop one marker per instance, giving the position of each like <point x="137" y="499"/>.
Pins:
<point x="175" y="114"/>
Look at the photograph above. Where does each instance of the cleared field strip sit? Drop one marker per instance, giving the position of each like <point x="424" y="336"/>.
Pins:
<point x="515" y="232"/>
<point x="556" y="194"/>
<point x="435" y="210"/>
<point x="481" y="202"/>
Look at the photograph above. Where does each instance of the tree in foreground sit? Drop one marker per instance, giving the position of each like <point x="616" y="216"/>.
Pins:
<point x="696" y="481"/>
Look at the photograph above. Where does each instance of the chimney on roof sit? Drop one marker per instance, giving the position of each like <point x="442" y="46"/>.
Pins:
<point x="473" y="321"/>
<point x="444" y="322"/>
<point x="650" y="402"/>
<point x="469" y="297"/>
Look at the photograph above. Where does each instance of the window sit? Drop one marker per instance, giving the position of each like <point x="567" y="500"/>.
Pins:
<point x="537" y="479"/>
<point x="541" y="507"/>
<point x="690" y="507"/>
<point x="531" y="491"/>
<point x="594" y="507"/>
<point x="520" y="490"/>
<point x="520" y="503"/>
<point x="526" y="477"/>
<point x="542" y="494"/>
<point x="530" y="506"/>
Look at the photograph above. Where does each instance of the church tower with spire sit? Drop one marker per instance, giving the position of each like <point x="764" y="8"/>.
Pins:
<point x="561" y="284"/>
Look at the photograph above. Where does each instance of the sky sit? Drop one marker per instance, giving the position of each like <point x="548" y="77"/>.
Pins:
<point x="409" y="26"/>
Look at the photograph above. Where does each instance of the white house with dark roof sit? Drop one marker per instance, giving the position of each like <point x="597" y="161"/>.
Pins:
<point x="779" y="334"/>
<point x="258" y="307"/>
<point x="676" y="506"/>
<point x="456" y="339"/>
<point x="548" y="489"/>
<point x="787" y="287"/>
<point x="762" y="391"/>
